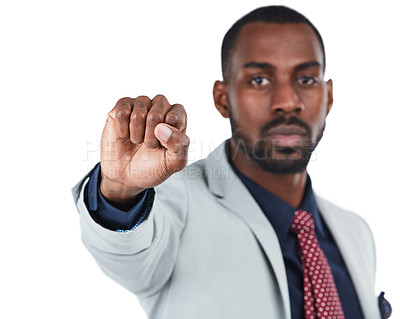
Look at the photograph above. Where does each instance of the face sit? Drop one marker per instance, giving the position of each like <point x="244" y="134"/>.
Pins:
<point x="275" y="96"/>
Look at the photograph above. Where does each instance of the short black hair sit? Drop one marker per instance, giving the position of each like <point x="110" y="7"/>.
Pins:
<point x="270" y="14"/>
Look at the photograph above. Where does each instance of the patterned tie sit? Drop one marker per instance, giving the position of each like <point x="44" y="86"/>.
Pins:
<point x="321" y="299"/>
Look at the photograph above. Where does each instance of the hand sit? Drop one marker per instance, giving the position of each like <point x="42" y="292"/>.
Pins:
<point x="143" y="143"/>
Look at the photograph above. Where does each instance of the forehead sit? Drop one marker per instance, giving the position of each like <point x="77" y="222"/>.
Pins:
<point x="278" y="44"/>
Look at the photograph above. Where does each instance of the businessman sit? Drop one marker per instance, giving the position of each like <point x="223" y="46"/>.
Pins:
<point x="240" y="234"/>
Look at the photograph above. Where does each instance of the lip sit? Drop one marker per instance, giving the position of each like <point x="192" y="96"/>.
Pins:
<point x="286" y="130"/>
<point x="282" y="141"/>
<point x="287" y="136"/>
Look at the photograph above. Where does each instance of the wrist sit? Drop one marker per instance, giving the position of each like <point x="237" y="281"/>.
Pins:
<point x="117" y="192"/>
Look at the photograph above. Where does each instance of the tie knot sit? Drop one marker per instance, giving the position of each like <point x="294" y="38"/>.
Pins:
<point x="302" y="222"/>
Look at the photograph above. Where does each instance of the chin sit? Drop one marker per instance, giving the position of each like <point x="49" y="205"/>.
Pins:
<point x="282" y="167"/>
<point x="284" y="161"/>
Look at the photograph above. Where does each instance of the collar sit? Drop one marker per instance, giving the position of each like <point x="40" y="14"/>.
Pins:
<point x="280" y="213"/>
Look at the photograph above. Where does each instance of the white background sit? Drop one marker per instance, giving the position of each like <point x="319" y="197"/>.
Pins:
<point x="64" y="64"/>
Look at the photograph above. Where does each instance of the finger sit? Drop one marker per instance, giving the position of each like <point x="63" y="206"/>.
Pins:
<point x="155" y="116"/>
<point x="122" y="113"/>
<point x="137" y="124"/>
<point x="177" y="117"/>
<point x="177" y="145"/>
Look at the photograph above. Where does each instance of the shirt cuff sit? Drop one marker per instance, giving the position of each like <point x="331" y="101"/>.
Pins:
<point x="111" y="217"/>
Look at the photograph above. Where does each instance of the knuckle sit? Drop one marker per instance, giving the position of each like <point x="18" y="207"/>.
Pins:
<point x="142" y="102"/>
<point x="159" y="98"/>
<point x="143" y="98"/>
<point x="172" y="119"/>
<point x="181" y="108"/>
<point x="183" y="143"/>
<point x="136" y="138"/>
<point x="122" y="115"/>
<point x="138" y="117"/>
<point x="186" y="142"/>
<point x="154" y="118"/>
<point x="151" y="143"/>
<point x="124" y="100"/>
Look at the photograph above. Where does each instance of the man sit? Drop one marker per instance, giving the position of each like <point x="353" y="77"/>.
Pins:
<point x="240" y="234"/>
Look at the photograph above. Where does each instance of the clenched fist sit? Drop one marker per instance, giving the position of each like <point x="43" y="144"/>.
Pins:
<point x="143" y="143"/>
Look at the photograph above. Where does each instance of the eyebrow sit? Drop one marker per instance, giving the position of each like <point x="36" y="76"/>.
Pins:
<point x="268" y="66"/>
<point x="258" y="65"/>
<point x="307" y="65"/>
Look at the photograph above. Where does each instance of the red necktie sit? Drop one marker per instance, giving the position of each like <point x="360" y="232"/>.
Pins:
<point x="321" y="299"/>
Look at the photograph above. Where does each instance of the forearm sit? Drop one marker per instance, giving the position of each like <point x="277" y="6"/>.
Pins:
<point x="142" y="259"/>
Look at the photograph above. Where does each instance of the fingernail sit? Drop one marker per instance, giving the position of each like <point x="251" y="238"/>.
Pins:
<point x="164" y="132"/>
<point x="112" y="114"/>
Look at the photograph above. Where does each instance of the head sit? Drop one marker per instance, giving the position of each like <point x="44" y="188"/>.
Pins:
<point x="273" y="88"/>
<point x="270" y="14"/>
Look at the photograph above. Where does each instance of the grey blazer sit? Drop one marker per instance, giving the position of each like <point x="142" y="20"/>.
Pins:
<point x="207" y="250"/>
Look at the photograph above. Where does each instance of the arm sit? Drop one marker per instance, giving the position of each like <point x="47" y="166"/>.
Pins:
<point x="109" y="216"/>
<point x="143" y="144"/>
<point x="141" y="260"/>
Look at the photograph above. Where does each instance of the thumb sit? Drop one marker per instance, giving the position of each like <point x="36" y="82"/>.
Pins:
<point x="176" y="143"/>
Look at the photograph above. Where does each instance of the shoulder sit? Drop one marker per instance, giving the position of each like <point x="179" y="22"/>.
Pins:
<point x="343" y="216"/>
<point x="348" y="226"/>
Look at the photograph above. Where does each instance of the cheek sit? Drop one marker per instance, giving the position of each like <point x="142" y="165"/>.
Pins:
<point x="244" y="107"/>
<point x="317" y="122"/>
<point x="250" y="104"/>
<point x="316" y="104"/>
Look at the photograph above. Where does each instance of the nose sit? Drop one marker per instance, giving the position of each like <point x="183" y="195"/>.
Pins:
<point x="286" y="100"/>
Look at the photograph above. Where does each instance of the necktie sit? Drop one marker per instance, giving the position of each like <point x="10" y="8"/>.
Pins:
<point x="321" y="299"/>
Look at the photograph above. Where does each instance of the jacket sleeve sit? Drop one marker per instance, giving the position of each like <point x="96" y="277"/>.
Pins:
<point x="141" y="260"/>
<point x="109" y="216"/>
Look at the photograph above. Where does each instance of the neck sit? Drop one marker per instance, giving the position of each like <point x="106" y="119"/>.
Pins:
<point x="288" y="187"/>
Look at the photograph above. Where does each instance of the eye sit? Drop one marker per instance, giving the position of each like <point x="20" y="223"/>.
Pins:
<point x="307" y="80"/>
<point x="259" y="81"/>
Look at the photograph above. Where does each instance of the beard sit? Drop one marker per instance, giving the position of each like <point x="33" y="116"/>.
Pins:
<point x="272" y="158"/>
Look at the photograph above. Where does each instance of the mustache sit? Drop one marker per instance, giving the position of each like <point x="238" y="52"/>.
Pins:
<point x="292" y="120"/>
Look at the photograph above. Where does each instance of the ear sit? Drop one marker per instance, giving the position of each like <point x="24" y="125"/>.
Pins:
<point x="330" y="95"/>
<point x="220" y="94"/>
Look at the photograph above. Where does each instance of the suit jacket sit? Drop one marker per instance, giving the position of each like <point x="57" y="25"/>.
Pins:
<point x="208" y="251"/>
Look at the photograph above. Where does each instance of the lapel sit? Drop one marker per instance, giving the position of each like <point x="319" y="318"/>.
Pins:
<point x="347" y="238"/>
<point x="225" y="185"/>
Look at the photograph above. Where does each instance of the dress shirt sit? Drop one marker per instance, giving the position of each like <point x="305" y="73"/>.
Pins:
<point x="110" y="217"/>
<point x="279" y="213"/>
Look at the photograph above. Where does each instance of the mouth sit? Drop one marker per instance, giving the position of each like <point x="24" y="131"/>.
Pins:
<point x="287" y="136"/>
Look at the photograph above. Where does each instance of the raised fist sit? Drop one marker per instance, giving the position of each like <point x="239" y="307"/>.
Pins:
<point x="143" y="143"/>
